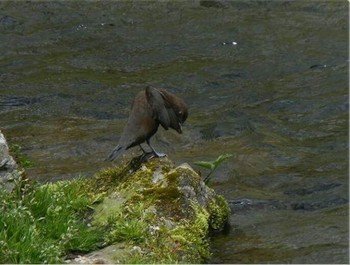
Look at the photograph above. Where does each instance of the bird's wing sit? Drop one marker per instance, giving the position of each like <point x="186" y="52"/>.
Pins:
<point x="171" y="102"/>
<point x="156" y="101"/>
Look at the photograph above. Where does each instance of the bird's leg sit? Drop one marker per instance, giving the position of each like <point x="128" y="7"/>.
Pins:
<point x="143" y="150"/>
<point x="146" y="155"/>
<point x="154" y="151"/>
<point x="143" y="157"/>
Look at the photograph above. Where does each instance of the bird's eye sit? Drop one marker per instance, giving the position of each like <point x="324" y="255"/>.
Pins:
<point x="180" y="112"/>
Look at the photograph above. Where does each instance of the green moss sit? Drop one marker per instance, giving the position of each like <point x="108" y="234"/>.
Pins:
<point x="219" y="212"/>
<point x="191" y="236"/>
<point x="170" y="192"/>
<point x="173" y="176"/>
<point x="130" y="224"/>
<point x="141" y="206"/>
<point x="107" y="209"/>
<point x="186" y="242"/>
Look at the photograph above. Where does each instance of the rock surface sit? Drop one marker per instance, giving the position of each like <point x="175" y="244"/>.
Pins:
<point x="8" y="166"/>
<point x="156" y="213"/>
<point x="151" y="212"/>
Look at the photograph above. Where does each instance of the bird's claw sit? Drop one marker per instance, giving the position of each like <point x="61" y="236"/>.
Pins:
<point x="149" y="155"/>
<point x="159" y="154"/>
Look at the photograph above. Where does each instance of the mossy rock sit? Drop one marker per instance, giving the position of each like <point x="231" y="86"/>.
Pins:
<point x="158" y="212"/>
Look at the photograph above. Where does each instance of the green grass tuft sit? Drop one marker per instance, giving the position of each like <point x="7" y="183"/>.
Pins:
<point x="21" y="159"/>
<point x="40" y="224"/>
<point x="129" y="224"/>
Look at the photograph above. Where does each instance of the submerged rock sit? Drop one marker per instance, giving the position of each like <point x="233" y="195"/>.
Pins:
<point x="155" y="213"/>
<point x="8" y="166"/>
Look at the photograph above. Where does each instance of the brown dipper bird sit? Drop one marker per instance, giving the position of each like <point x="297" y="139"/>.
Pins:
<point x="150" y="108"/>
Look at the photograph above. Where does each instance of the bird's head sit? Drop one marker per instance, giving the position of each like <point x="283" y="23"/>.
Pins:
<point x="179" y="108"/>
<point x="181" y="111"/>
<point x="170" y="110"/>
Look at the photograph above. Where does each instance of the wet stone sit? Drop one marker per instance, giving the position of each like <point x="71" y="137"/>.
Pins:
<point x="8" y="166"/>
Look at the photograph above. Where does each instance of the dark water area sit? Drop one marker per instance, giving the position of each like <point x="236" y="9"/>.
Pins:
<point x="266" y="81"/>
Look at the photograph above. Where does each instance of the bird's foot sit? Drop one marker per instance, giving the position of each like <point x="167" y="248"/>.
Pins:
<point x="156" y="154"/>
<point x="146" y="156"/>
<point x="149" y="155"/>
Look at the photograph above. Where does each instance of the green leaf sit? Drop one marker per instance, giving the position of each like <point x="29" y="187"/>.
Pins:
<point x="205" y="164"/>
<point x="221" y="159"/>
<point x="212" y="165"/>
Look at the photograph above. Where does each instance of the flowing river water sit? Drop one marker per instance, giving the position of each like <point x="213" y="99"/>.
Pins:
<point x="265" y="81"/>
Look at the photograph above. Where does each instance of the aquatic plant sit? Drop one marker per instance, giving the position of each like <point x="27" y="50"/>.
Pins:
<point x="212" y="165"/>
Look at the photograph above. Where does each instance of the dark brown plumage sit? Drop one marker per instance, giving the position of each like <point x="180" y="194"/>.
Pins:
<point x="150" y="108"/>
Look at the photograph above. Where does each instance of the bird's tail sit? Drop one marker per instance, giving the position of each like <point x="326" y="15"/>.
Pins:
<point x="117" y="151"/>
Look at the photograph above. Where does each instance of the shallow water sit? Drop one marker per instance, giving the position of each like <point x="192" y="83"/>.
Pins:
<point x="265" y="81"/>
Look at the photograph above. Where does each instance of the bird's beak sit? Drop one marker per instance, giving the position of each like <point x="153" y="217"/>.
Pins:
<point x="179" y="130"/>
